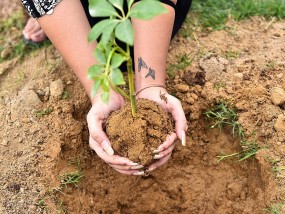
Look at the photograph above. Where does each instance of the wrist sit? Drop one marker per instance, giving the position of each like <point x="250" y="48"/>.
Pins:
<point x="150" y="87"/>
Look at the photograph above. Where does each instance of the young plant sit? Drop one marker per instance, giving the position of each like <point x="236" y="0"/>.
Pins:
<point x="109" y="55"/>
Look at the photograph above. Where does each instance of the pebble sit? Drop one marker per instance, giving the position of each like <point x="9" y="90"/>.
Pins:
<point x="190" y="100"/>
<point x="69" y="82"/>
<point x="182" y="87"/>
<point x="238" y="75"/>
<point x="5" y="53"/>
<point x="30" y="97"/>
<point x="194" y="96"/>
<point x="278" y="96"/>
<point x="56" y="88"/>
<point x="4" y="142"/>
<point x="279" y="125"/>
<point x="280" y="75"/>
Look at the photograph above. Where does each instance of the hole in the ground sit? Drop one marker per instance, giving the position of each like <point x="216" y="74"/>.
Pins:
<point x="192" y="181"/>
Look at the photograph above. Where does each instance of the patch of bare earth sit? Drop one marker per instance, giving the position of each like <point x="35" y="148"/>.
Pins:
<point x="44" y="134"/>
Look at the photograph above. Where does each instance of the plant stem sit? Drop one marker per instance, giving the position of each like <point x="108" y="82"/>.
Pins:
<point x="131" y="83"/>
<point x="119" y="91"/>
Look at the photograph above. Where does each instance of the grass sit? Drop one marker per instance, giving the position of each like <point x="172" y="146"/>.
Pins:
<point x="70" y="178"/>
<point x="214" y="14"/>
<point x="222" y="116"/>
<point x="274" y="209"/>
<point x="10" y="38"/>
<point x="42" y="112"/>
<point x="232" y="54"/>
<point x="183" y="62"/>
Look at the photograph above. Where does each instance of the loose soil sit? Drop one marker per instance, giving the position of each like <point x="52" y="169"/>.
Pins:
<point x="43" y="133"/>
<point x="137" y="138"/>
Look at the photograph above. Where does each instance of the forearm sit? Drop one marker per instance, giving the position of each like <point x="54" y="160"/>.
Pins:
<point x="152" y="39"/>
<point x="68" y="29"/>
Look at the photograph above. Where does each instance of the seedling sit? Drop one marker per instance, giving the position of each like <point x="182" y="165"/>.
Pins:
<point x="117" y="26"/>
<point x="274" y="209"/>
<point x="71" y="178"/>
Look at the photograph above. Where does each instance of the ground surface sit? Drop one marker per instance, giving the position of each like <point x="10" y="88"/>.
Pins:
<point x="43" y="132"/>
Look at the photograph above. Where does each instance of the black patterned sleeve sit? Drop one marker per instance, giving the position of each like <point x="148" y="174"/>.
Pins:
<point x="38" y="8"/>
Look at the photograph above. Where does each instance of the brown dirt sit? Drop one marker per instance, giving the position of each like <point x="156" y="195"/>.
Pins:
<point x="43" y="136"/>
<point x="137" y="138"/>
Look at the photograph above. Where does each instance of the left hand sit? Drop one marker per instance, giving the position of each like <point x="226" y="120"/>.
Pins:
<point x="173" y="106"/>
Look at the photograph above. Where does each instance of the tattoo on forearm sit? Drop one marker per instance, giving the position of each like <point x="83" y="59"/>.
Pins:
<point x="142" y="64"/>
<point x="150" y="73"/>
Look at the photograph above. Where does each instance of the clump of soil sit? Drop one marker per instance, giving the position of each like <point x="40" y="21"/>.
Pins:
<point x="137" y="137"/>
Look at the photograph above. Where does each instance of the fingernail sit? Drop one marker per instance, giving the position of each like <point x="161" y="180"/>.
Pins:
<point x="133" y="164"/>
<point x="183" y="138"/>
<point x="151" y="168"/>
<point x="156" y="151"/>
<point x="158" y="156"/>
<point x="137" y="167"/>
<point x="108" y="149"/>
<point x="139" y="173"/>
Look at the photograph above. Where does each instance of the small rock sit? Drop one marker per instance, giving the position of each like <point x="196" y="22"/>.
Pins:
<point x="4" y="142"/>
<point x="6" y="52"/>
<point x="69" y="82"/>
<point x="182" y="88"/>
<point x="56" y="88"/>
<point x="279" y="126"/>
<point x="278" y="96"/>
<point x="190" y="100"/>
<point x="280" y="75"/>
<point x="194" y="96"/>
<point x="238" y="75"/>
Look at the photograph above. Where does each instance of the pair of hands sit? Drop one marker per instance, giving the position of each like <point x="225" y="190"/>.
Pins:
<point x="100" y="143"/>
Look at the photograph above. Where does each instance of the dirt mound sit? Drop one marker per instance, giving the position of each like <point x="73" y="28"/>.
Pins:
<point x="138" y="137"/>
<point x="47" y="165"/>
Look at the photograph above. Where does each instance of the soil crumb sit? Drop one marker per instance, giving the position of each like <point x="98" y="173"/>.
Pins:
<point x="137" y="138"/>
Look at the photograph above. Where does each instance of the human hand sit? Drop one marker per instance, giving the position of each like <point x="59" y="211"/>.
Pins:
<point x="173" y="106"/>
<point x="98" y="139"/>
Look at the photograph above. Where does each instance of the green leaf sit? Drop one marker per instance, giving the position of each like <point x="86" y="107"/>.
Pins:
<point x="95" y="87"/>
<point x="117" y="60"/>
<point x="117" y="77"/>
<point x="147" y="9"/>
<point x="105" y="83"/>
<point x="105" y="96"/>
<point x="101" y="8"/>
<point x="101" y="27"/>
<point x="124" y="32"/>
<point x="117" y="3"/>
<point x="94" y="71"/>
<point x="107" y="33"/>
<point x="100" y="56"/>
<point x="130" y="2"/>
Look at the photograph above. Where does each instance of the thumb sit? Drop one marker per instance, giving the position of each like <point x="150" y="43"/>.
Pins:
<point x="96" y="131"/>
<point x="180" y="121"/>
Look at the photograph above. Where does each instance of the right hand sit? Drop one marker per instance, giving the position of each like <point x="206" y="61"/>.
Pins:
<point x="98" y="139"/>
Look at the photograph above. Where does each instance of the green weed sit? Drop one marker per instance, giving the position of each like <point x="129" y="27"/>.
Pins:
<point x="214" y="14"/>
<point x="274" y="209"/>
<point x="71" y="178"/>
<point x="223" y="115"/>
<point x="183" y="62"/>
<point x="65" y="95"/>
<point x="40" y="113"/>
<point x="232" y="54"/>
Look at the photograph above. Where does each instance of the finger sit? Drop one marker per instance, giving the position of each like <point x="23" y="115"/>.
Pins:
<point x="159" y="163"/>
<point x="124" y="167"/>
<point x="169" y="141"/>
<point x="165" y="152"/>
<point x="180" y="120"/>
<point x="114" y="159"/>
<point x="38" y="36"/>
<point x="97" y="133"/>
<point x="133" y="172"/>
